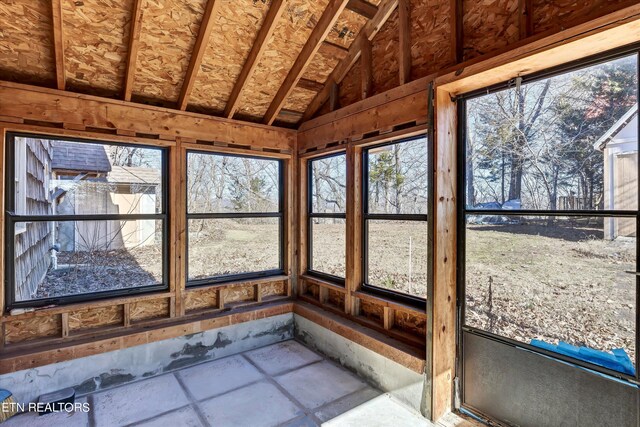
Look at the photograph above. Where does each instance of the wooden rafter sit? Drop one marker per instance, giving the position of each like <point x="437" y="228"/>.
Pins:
<point x="525" y="21"/>
<point x="333" y="50"/>
<point x="319" y="33"/>
<point x="404" y="51"/>
<point x="257" y="50"/>
<point x="132" y="52"/>
<point x="310" y="85"/>
<point x="457" y="30"/>
<point x="198" y="52"/>
<point x="363" y="7"/>
<point x="366" y="68"/>
<point x="58" y="43"/>
<point x="369" y="31"/>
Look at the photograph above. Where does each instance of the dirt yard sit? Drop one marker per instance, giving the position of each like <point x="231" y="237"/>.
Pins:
<point x="552" y="282"/>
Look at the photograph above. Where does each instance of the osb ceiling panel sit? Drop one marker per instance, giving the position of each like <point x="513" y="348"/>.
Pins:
<point x="384" y="56"/>
<point x="236" y="27"/>
<point x="430" y="37"/>
<point x="558" y="13"/>
<point x="499" y="18"/>
<point x="320" y="67"/>
<point x="299" y="99"/>
<point x="291" y="33"/>
<point x="26" y="41"/>
<point x="346" y="28"/>
<point x="96" y="34"/>
<point x="350" y="88"/>
<point x="169" y="31"/>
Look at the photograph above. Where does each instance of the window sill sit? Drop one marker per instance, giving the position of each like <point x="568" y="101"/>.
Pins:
<point x="325" y="283"/>
<point x="222" y="285"/>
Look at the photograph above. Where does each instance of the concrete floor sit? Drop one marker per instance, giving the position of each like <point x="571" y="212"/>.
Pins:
<point x="284" y="384"/>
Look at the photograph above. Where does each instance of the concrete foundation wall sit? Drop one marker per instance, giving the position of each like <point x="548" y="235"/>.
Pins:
<point x="106" y="370"/>
<point x="387" y="375"/>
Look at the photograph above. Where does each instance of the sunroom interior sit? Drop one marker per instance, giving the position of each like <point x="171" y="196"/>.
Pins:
<point x="332" y="212"/>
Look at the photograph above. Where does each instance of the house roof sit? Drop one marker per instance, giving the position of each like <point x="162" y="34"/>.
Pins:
<point x="616" y="128"/>
<point x="133" y="175"/>
<point x="79" y="156"/>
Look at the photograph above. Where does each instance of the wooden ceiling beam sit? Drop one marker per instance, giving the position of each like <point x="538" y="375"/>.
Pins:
<point x="369" y="31"/>
<point x="132" y="52"/>
<point x="310" y="85"/>
<point x="319" y="33"/>
<point x="333" y="50"/>
<point x="363" y="7"/>
<point x="525" y="21"/>
<point x="257" y="50"/>
<point x="457" y="30"/>
<point x="366" y="69"/>
<point x="58" y="43"/>
<point x="206" y="26"/>
<point x="404" y="51"/>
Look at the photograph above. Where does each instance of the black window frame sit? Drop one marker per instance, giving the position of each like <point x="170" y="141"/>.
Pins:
<point x="234" y="277"/>
<point x="463" y="211"/>
<point x="11" y="218"/>
<point x="401" y="297"/>
<point x="328" y="215"/>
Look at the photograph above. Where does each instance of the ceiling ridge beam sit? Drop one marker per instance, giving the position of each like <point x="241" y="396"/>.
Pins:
<point x="132" y="51"/>
<point x="58" y="43"/>
<point x="363" y="8"/>
<point x="206" y="26"/>
<point x="319" y="33"/>
<point x="257" y="50"/>
<point x="368" y="32"/>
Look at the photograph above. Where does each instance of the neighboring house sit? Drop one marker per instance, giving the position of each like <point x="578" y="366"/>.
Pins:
<point x="620" y="147"/>
<point x="87" y="183"/>
<point x="33" y="240"/>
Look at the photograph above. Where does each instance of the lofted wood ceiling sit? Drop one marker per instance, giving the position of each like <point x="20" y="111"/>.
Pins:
<point x="255" y="60"/>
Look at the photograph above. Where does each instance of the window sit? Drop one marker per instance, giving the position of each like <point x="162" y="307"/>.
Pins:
<point x="87" y="220"/>
<point x="234" y="217"/>
<point x="327" y="189"/>
<point x="396" y="205"/>
<point x="548" y="237"/>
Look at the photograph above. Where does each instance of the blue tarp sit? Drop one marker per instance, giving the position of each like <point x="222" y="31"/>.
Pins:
<point x="617" y="360"/>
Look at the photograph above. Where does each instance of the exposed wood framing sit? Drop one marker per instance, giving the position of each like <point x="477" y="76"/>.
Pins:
<point x="404" y="50"/>
<point x="457" y="30"/>
<point x="319" y="33"/>
<point x="362" y="7"/>
<point x="332" y="50"/>
<point x="52" y="106"/>
<point x="132" y="51"/>
<point x="257" y="50"/>
<point x="58" y="43"/>
<point x="444" y="255"/>
<point x="366" y="67"/>
<point x="334" y="97"/>
<point x="354" y="227"/>
<point x="206" y="26"/>
<point x="525" y="21"/>
<point x="310" y="85"/>
<point x="371" y="28"/>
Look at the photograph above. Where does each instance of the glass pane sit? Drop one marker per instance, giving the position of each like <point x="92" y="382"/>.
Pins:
<point x="63" y="258"/>
<point x="328" y="244"/>
<point x="329" y="185"/>
<point x="219" y="247"/>
<point x="219" y="184"/>
<point x="398" y="178"/>
<point x="79" y="178"/>
<point x="569" y="142"/>
<point x="397" y="256"/>
<point x="545" y="280"/>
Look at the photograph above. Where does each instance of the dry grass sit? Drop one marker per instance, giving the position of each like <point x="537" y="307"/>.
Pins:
<point x="552" y="282"/>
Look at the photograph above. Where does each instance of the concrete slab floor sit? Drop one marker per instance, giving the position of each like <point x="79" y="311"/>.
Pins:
<point x="284" y="384"/>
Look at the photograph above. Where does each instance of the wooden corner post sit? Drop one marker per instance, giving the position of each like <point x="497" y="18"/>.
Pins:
<point x="443" y="345"/>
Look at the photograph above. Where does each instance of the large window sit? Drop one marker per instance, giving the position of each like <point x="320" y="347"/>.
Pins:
<point x="234" y="217"/>
<point x="327" y="217"/>
<point x="548" y="236"/>
<point x="396" y="204"/>
<point x="84" y="220"/>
